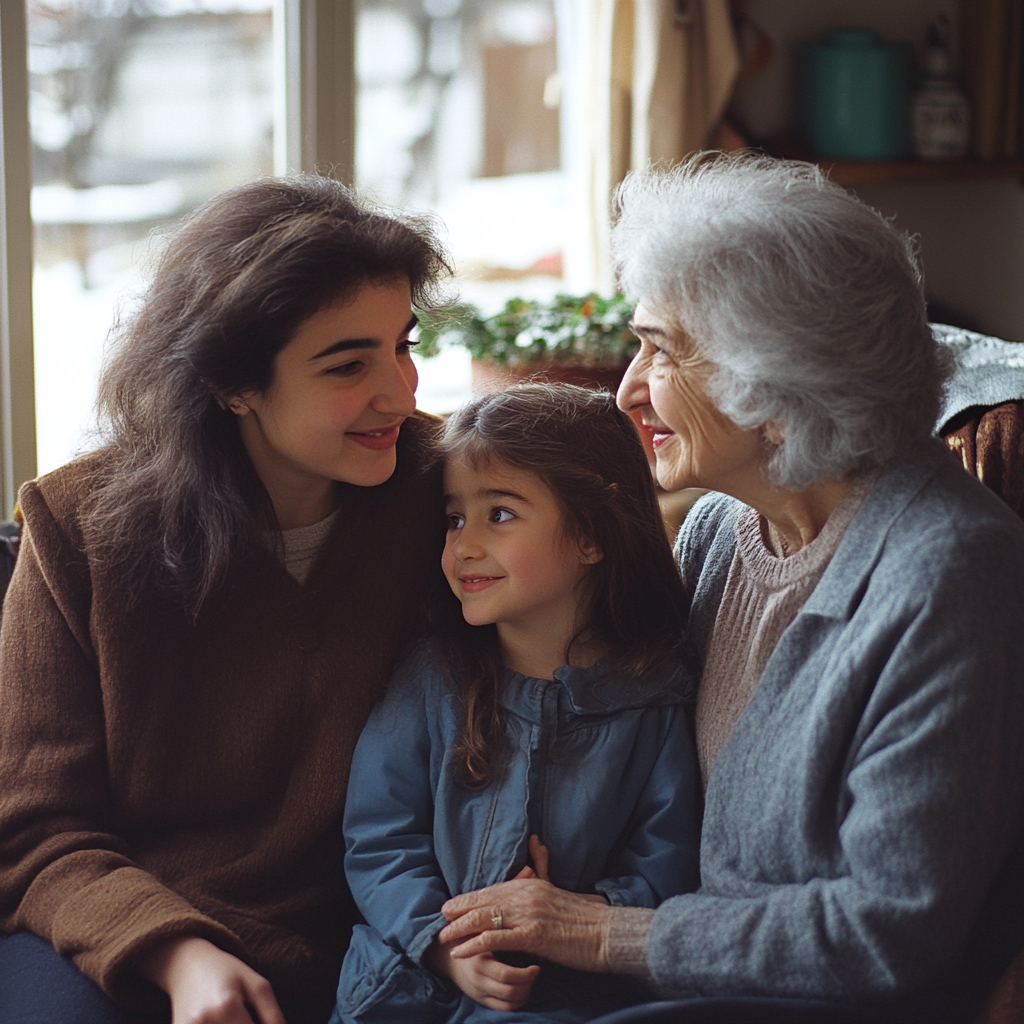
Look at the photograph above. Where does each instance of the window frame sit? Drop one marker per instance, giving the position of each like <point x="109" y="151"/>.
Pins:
<point x="17" y="369"/>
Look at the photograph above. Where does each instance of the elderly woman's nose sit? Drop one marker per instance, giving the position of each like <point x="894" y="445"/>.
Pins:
<point x="633" y="393"/>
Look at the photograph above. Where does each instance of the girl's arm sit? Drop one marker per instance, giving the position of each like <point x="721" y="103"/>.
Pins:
<point x="660" y="856"/>
<point x="390" y="862"/>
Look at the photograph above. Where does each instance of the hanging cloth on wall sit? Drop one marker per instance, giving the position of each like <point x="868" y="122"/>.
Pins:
<point x="643" y="81"/>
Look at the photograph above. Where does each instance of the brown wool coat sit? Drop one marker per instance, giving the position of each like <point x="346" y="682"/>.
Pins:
<point x="161" y="778"/>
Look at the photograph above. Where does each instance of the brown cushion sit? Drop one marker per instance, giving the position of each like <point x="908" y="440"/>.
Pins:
<point x="990" y="441"/>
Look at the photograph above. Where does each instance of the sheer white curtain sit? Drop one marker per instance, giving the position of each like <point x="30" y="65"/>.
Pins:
<point x="642" y="81"/>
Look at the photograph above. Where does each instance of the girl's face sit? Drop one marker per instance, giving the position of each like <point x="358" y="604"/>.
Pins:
<point x="342" y="387"/>
<point x="507" y="557"/>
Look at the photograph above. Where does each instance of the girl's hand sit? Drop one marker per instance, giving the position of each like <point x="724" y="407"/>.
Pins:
<point x="209" y="986"/>
<point x="537" y="918"/>
<point x="485" y="979"/>
<point x="539" y="856"/>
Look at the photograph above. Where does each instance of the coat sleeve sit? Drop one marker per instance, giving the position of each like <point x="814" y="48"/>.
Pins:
<point x="390" y="863"/>
<point x="65" y="874"/>
<point x="931" y="807"/>
<point x="659" y="857"/>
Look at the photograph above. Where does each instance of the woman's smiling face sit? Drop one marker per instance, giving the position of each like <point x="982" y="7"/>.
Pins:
<point x="667" y="385"/>
<point x="342" y="387"/>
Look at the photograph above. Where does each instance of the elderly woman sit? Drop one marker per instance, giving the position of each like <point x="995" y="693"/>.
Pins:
<point x="856" y="612"/>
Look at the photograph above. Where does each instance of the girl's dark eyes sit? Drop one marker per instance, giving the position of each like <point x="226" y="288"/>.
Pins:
<point x="498" y="515"/>
<point x="407" y="346"/>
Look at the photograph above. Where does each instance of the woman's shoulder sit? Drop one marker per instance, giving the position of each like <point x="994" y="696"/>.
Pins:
<point x="931" y="504"/>
<point x="57" y="497"/>
<point x="708" y="533"/>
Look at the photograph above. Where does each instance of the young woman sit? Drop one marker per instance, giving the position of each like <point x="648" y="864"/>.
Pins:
<point x="551" y="704"/>
<point x="202" y="615"/>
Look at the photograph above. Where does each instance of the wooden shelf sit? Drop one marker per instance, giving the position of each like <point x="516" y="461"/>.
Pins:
<point x="889" y="172"/>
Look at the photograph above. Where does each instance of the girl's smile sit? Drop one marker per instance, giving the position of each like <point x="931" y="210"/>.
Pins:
<point x="507" y="557"/>
<point x="474" y="584"/>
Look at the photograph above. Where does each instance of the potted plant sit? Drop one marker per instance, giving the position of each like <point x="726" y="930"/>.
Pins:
<point x="576" y="339"/>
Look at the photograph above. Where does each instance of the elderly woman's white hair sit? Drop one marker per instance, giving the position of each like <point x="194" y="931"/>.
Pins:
<point x="807" y="301"/>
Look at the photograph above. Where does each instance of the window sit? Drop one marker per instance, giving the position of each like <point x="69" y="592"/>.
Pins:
<point x="139" y="111"/>
<point x="458" y="113"/>
<point x="122" y="94"/>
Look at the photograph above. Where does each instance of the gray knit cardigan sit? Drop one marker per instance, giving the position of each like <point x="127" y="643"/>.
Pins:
<point x="860" y="813"/>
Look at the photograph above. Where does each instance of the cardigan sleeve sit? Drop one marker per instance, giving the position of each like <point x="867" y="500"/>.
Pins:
<point x="390" y="862"/>
<point x="65" y="874"/>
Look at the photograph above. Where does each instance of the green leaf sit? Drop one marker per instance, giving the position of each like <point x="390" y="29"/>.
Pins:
<point x="582" y="329"/>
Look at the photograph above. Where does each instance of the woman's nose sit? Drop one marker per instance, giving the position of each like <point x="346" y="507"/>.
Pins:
<point x="633" y="391"/>
<point x="397" y="388"/>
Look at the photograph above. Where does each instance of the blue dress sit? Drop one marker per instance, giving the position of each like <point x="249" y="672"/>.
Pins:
<point x="601" y="767"/>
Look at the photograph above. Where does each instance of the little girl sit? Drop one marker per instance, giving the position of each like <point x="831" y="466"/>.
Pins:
<point x="544" y="723"/>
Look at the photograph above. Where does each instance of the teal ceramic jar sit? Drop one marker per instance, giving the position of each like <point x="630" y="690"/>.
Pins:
<point x="856" y="97"/>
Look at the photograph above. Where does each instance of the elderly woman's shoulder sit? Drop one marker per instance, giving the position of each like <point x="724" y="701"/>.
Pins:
<point x="934" y="521"/>
<point x="710" y="523"/>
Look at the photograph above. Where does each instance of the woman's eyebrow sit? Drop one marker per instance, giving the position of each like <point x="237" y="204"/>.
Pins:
<point x="346" y="344"/>
<point x="647" y="329"/>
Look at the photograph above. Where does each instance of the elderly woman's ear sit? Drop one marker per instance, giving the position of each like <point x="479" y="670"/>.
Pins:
<point x="773" y="432"/>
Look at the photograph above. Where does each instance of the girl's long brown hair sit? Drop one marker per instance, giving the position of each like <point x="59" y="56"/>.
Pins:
<point x="589" y="455"/>
<point x="177" y="500"/>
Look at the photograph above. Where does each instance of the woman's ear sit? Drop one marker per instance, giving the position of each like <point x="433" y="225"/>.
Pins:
<point x="235" y="403"/>
<point x="589" y="552"/>
<point x="773" y="432"/>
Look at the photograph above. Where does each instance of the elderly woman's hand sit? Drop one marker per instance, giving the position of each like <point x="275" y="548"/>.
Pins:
<point x="535" y="917"/>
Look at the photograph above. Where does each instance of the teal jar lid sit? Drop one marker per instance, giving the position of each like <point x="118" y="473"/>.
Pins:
<point x="855" y="95"/>
<point x="852" y="37"/>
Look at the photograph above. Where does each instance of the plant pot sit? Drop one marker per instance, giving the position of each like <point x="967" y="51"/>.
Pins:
<point x="492" y="377"/>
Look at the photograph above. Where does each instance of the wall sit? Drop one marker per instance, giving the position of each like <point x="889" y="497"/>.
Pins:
<point x="971" y="232"/>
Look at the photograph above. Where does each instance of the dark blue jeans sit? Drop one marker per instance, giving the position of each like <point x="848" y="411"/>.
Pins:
<point x="38" y="986"/>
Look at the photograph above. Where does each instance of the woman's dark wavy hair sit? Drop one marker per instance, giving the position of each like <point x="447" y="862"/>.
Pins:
<point x="178" y="500"/>
<point x="589" y="455"/>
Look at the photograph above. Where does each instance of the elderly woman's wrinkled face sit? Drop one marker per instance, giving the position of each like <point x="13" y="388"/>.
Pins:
<point x="666" y="389"/>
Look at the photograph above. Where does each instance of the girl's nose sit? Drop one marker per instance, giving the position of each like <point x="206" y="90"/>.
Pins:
<point x="467" y="546"/>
